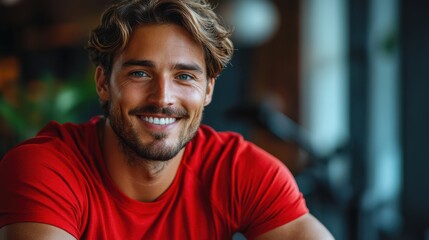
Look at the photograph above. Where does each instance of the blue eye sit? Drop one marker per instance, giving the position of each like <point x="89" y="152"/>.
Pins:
<point x="138" y="74"/>
<point x="185" y="77"/>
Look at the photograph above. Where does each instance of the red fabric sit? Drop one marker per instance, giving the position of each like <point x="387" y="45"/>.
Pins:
<point x="223" y="185"/>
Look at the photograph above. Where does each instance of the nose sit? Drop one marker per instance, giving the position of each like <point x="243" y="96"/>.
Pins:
<point x="161" y="91"/>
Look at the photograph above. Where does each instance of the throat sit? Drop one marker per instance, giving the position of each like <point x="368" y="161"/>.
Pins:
<point x="147" y="181"/>
<point x="151" y="170"/>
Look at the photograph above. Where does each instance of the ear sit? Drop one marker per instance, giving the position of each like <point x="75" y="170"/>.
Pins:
<point x="209" y="92"/>
<point x="101" y="84"/>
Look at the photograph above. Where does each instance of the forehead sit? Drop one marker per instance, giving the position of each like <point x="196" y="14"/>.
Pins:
<point x="162" y="43"/>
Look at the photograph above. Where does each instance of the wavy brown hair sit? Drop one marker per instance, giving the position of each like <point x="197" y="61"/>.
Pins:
<point x="196" y="16"/>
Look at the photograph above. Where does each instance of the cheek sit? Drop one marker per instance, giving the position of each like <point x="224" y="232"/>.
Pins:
<point x="195" y="103"/>
<point x="194" y="97"/>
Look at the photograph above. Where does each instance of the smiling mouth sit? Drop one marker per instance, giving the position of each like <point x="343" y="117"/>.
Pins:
<point x="158" y="121"/>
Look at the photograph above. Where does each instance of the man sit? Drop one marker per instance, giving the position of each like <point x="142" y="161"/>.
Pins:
<point x="147" y="169"/>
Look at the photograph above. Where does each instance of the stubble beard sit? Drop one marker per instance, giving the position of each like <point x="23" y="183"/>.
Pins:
<point x="156" y="151"/>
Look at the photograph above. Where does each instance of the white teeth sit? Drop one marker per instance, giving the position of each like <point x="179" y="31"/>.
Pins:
<point x="159" y="121"/>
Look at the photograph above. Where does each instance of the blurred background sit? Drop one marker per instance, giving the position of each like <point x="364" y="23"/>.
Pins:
<point x="335" y="89"/>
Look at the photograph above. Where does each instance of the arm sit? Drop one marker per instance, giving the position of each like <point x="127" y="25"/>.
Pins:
<point x="33" y="231"/>
<point x="305" y="227"/>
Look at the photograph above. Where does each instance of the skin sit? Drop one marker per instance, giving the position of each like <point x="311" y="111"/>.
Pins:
<point x="166" y="72"/>
<point x="306" y="227"/>
<point x="33" y="231"/>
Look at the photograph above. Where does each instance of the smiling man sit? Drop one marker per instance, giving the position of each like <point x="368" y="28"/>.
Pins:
<point x="148" y="169"/>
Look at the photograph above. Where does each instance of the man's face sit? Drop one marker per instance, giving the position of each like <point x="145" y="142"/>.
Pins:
<point x="157" y="91"/>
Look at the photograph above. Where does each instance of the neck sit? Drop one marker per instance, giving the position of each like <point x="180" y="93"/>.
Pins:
<point x="140" y="179"/>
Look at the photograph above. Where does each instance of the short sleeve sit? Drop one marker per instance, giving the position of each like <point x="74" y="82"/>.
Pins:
<point x="36" y="186"/>
<point x="267" y="193"/>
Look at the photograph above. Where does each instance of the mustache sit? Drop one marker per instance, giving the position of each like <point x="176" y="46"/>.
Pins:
<point x="152" y="109"/>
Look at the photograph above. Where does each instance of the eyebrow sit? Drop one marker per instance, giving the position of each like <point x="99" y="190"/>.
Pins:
<point x="151" y="64"/>
<point x="143" y="63"/>
<point x="188" y="66"/>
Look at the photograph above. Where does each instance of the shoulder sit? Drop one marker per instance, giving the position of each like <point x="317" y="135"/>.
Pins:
<point x="38" y="159"/>
<point x="55" y="143"/>
<point x="227" y="162"/>
<point x="230" y="150"/>
<point x="54" y="156"/>
<point x="61" y="150"/>
<point x="32" y="154"/>
<point x="208" y="140"/>
<point x="70" y="133"/>
<point x="211" y="150"/>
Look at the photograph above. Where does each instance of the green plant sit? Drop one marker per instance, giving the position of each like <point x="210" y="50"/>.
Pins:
<point x="48" y="99"/>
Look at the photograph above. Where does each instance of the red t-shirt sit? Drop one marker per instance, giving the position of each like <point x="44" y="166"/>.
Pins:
<point x="224" y="185"/>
